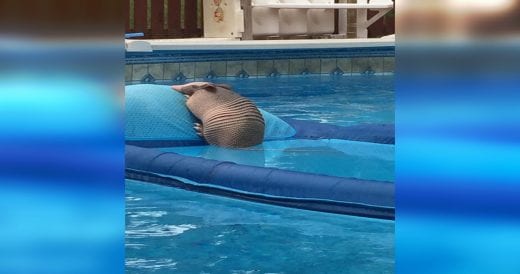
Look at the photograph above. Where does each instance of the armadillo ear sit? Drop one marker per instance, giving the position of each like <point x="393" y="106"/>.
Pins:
<point x="224" y="86"/>
<point x="208" y="86"/>
<point x="183" y="89"/>
<point x="189" y="90"/>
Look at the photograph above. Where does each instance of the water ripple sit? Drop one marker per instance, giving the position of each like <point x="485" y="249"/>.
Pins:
<point x="150" y="264"/>
<point x="156" y="230"/>
<point x="153" y="214"/>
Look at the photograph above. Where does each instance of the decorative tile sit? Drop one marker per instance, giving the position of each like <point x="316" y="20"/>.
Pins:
<point x="156" y="71"/>
<point x="336" y="72"/>
<point x="139" y="71"/>
<point x="376" y="64"/>
<point x="148" y="79"/>
<point x="328" y="65"/>
<point x="218" y="68"/>
<point x="313" y="66"/>
<point x="211" y="75"/>
<point x="281" y="66"/>
<point x="360" y="65"/>
<point x="128" y="72"/>
<point x="274" y="73"/>
<point x="242" y="74"/>
<point x="265" y="67"/>
<point x="250" y="67"/>
<point x="388" y="64"/>
<point x="233" y="68"/>
<point x="202" y="69"/>
<point x="345" y="64"/>
<point x="296" y="66"/>
<point x="369" y="71"/>
<point x="171" y="70"/>
<point x="187" y="69"/>
<point x="180" y="77"/>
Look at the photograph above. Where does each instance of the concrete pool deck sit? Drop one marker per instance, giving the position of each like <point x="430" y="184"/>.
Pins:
<point x="142" y="45"/>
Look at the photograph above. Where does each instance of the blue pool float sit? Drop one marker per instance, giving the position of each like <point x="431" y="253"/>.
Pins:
<point x="149" y="126"/>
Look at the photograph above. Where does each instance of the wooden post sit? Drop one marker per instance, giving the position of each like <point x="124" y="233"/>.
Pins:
<point x="141" y="17"/>
<point x="174" y="19"/>
<point x="342" y="21"/>
<point x="157" y="19"/>
<point x="248" y="19"/>
<point x="190" y="18"/>
<point x="361" y="21"/>
<point x="126" y="9"/>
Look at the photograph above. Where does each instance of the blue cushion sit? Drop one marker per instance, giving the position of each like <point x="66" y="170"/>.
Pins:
<point x="157" y="112"/>
<point x="276" y="128"/>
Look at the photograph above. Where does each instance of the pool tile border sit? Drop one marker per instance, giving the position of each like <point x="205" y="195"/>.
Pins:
<point x="179" y="66"/>
<point x="206" y="71"/>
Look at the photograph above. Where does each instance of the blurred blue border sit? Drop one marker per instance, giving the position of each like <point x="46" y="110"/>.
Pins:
<point x="457" y="158"/>
<point x="61" y="157"/>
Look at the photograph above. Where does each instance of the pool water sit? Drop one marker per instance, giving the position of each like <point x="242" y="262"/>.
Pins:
<point x="176" y="231"/>
<point x="326" y="157"/>
<point x="171" y="230"/>
<point x="341" y="101"/>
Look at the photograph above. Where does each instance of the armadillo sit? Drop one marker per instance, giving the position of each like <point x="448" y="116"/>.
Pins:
<point x="228" y="119"/>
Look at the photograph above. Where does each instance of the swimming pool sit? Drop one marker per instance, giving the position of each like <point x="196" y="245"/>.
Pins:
<point x="170" y="229"/>
<point x="336" y="100"/>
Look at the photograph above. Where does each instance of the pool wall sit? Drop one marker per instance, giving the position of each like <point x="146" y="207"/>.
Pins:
<point x="160" y="66"/>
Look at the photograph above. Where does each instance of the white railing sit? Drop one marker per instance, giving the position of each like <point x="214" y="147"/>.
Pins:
<point x="248" y="19"/>
<point x="310" y="17"/>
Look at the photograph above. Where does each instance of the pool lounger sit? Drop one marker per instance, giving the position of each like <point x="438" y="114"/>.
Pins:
<point x="149" y="126"/>
<point x="349" y="196"/>
<point x="373" y="133"/>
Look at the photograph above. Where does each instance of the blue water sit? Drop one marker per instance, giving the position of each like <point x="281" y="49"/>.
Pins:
<point x="335" y="100"/>
<point x="171" y="230"/>
<point x="327" y="157"/>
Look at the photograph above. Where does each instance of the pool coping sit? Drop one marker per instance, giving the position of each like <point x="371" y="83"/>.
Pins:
<point x="134" y="45"/>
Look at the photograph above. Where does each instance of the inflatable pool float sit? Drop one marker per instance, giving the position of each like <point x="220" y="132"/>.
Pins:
<point x="156" y="118"/>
